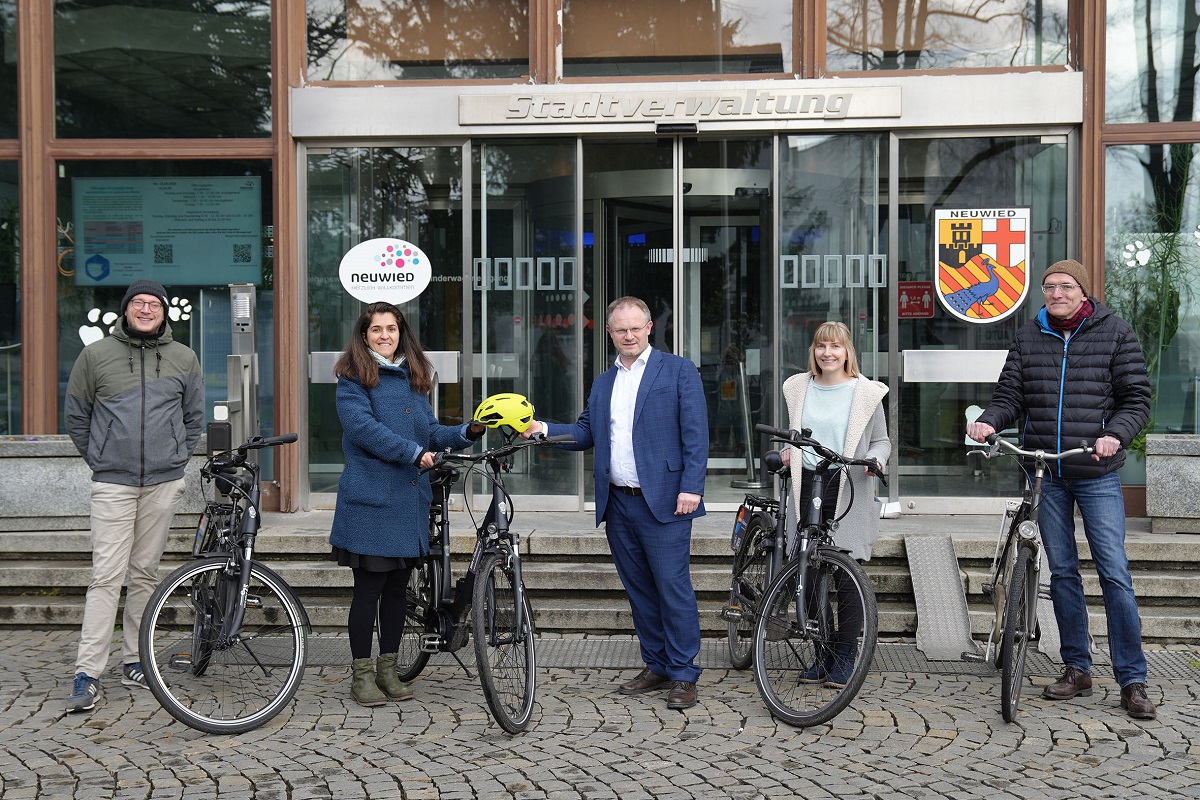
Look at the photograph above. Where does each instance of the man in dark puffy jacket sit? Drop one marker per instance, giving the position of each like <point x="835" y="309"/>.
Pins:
<point x="1077" y="373"/>
<point x="135" y="411"/>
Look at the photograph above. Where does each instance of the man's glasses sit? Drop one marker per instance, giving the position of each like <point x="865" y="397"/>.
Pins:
<point x="626" y="331"/>
<point x="1051" y="288"/>
<point x="153" y="305"/>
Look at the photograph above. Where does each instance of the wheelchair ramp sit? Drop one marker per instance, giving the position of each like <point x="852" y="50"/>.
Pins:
<point x="943" y="625"/>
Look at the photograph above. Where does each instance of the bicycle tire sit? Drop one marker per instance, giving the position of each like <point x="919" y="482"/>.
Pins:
<point x="418" y="618"/>
<point x="244" y="682"/>
<point x="505" y="654"/>
<point x="808" y="677"/>
<point x="747" y="587"/>
<point x="1002" y="580"/>
<point x="1017" y="633"/>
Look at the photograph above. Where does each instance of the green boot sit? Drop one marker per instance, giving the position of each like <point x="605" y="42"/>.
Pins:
<point x="385" y="678"/>
<point x="363" y="689"/>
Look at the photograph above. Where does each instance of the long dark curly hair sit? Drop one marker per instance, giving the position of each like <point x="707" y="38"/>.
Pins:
<point x="356" y="361"/>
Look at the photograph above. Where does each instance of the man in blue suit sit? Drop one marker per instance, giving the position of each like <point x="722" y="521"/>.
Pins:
<point x="648" y="421"/>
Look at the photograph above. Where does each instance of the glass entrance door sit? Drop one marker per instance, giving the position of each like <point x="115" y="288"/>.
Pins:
<point x="685" y="225"/>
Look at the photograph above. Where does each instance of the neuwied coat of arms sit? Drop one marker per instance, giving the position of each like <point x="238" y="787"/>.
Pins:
<point x="982" y="257"/>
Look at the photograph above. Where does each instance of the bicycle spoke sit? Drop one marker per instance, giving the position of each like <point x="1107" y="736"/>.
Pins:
<point x="213" y="679"/>
<point x="807" y="677"/>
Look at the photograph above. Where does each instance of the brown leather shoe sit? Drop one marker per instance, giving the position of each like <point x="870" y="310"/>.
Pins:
<point x="645" y="681"/>
<point x="683" y="695"/>
<point x="1135" y="701"/>
<point x="1073" y="682"/>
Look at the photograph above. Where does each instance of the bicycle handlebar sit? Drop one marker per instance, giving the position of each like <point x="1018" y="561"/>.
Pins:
<point x="997" y="444"/>
<point x="496" y="453"/>
<point x="803" y="438"/>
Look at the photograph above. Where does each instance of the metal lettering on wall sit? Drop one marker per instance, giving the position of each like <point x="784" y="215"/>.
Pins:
<point x="833" y="271"/>
<point x="525" y="274"/>
<point x="861" y="102"/>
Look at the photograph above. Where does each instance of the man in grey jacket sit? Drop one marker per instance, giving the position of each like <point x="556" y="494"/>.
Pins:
<point x="135" y="411"/>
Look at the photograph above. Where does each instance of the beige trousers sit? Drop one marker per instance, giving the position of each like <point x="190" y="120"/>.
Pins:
<point x="129" y="534"/>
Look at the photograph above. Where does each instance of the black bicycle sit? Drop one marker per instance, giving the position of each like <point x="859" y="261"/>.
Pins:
<point x="488" y="603"/>
<point x="224" y="639"/>
<point x="1016" y="569"/>
<point x="759" y="544"/>
<point x="817" y="624"/>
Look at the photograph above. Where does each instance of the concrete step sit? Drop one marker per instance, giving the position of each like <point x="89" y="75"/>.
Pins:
<point x="574" y="586"/>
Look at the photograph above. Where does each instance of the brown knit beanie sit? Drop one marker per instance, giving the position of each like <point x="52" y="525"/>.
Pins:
<point x="1073" y="268"/>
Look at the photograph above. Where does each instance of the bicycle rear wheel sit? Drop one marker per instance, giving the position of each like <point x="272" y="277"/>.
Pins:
<point x="504" y="650"/>
<point x="204" y="677"/>
<point x="807" y="676"/>
<point x="1022" y="597"/>
<point x="748" y="587"/>
<point x="418" y="616"/>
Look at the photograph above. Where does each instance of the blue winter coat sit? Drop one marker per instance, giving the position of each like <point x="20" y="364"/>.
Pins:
<point x="383" y="502"/>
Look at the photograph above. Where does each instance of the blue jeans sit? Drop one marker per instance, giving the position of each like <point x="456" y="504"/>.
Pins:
<point x="1103" y="512"/>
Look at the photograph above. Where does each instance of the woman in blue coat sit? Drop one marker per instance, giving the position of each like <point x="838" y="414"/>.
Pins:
<point x="381" y="523"/>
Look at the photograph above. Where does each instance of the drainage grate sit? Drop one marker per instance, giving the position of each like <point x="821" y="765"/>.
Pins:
<point x="623" y="653"/>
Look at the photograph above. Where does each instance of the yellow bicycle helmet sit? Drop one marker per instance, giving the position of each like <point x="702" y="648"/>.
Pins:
<point x="508" y="409"/>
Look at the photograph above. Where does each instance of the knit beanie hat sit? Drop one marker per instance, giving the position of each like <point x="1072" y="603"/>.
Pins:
<point x="144" y="287"/>
<point x="1075" y="270"/>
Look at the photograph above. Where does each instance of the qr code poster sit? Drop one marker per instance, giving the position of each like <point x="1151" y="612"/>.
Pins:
<point x="176" y="230"/>
<point x="982" y="257"/>
<point x="385" y="270"/>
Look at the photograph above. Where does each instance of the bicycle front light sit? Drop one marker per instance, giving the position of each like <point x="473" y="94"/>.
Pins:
<point x="1028" y="529"/>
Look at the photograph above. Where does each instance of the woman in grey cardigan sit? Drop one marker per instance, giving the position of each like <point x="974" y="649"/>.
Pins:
<point x="844" y="411"/>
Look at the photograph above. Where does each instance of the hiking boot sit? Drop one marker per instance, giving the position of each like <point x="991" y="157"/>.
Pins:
<point x="84" y="693"/>
<point x="132" y="675"/>
<point x="1073" y="682"/>
<point x="1135" y="701"/>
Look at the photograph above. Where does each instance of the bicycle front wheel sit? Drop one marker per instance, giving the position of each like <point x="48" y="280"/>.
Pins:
<point x="504" y="649"/>
<point x="203" y="675"/>
<point x="808" y="674"/>
<point x="418" y="615"/>
<point x="747" y="588"/>
<point x="1022" y="597"/>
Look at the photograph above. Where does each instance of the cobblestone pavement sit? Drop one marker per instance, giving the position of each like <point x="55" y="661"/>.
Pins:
<point x="907" y="735"/>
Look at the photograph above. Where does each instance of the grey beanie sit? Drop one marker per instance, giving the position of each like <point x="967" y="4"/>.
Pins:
<point x="144" y="286"/>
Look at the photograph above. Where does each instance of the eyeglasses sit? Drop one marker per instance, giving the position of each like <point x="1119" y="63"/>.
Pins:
<point x="153" y="305"/>
<point x="1051" y="288"/>
<point x="623" y="332"/>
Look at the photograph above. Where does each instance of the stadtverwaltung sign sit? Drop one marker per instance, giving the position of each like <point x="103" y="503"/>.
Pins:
<point x="534" y="107"/>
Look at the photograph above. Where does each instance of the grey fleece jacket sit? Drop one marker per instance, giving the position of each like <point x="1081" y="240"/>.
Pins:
<point x="135" y="408"/>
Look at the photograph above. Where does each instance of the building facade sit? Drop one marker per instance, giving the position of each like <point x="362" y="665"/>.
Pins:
<point x="751" y="170"/>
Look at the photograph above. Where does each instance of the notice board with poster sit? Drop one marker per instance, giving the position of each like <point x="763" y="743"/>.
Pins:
<point x="178" y="231"/>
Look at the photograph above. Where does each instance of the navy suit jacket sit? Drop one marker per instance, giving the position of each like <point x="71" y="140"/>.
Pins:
<point x="670" y="434"/>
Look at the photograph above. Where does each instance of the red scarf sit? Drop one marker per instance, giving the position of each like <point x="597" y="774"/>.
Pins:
<point x="1068" y="326"/>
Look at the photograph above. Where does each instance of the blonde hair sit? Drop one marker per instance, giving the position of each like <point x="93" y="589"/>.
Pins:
<point x="833" y="332"/>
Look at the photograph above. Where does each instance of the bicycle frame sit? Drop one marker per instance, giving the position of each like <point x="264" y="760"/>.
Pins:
<point x="1020" y="529"/>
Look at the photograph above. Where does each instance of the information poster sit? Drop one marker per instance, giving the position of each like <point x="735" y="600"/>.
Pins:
<point x="177" y="231"/>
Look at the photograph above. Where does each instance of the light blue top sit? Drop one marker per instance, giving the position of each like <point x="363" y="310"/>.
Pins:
<point x="827" y="415"/>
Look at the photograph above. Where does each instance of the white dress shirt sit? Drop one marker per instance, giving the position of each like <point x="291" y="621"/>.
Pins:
<point x="622" y="469"/>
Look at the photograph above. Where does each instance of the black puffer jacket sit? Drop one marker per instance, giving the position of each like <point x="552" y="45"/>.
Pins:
<point x="1091" y="385"/>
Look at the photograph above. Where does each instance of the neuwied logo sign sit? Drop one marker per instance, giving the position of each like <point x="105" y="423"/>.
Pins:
<point x="385" y="270"/>
<point x="982" y="257"/>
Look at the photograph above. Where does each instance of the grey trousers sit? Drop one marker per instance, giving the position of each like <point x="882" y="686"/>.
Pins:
<point x="129" y="534"/>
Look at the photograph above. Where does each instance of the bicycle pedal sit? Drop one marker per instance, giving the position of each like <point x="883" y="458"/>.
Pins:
<point x="431" y="643"/>
<point x="180" y="662"/>
<point x="253" y="601"/>
<point x="732" y="614"/>
<point x="977" y="658"/>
